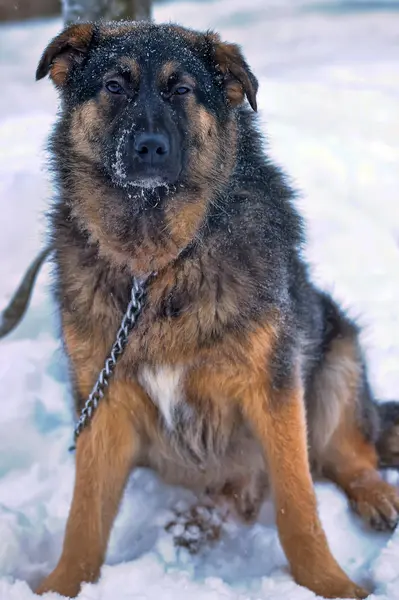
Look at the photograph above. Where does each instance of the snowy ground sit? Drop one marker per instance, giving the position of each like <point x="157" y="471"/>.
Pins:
<point x="329" y="95"/>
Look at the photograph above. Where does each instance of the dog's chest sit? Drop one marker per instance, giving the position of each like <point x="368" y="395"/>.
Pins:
<point x="164" y="385"/>
<point x="193" y="430"/>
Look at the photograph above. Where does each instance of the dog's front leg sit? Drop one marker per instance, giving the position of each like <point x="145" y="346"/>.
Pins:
<point x="278" y="418"/>
<point x="105" y="454"/>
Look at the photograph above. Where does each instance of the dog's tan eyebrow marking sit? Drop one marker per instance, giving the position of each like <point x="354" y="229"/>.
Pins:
<point x="167" y="70"/>
<point x="131" y="66"/>
<point x="173" y="69"/>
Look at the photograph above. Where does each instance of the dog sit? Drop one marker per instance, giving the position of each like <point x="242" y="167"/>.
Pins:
<point x="240" y="374"/>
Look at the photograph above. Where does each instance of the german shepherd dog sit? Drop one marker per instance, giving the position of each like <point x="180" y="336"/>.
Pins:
<point x="240" y="375"/>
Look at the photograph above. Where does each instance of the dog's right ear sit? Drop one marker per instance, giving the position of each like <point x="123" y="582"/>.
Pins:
<point x="65" y="51"/>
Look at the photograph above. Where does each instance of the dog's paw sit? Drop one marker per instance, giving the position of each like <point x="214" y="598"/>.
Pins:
<point x="67" y="578"/>
<point x="347" y="590"/>
<point x="61" y="583"/>
<point x="196" y="527"/>
<point x="335" y="584"/>
<point x="376" y="502"/>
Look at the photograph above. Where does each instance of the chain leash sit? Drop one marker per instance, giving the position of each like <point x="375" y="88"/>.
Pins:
<point x="129" y="320"/>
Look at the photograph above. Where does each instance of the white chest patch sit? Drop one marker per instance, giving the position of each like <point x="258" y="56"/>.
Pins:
<point x="164" y="386"/>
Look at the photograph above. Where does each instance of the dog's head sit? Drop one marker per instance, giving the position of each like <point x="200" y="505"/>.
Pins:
<point x="150" y="109"/>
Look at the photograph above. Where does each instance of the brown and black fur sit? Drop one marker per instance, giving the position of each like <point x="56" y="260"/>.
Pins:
<point x="268" y="372"/>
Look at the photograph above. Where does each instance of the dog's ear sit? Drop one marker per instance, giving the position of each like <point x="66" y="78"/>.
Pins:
<point x="238" y="78"/>
<point x="64" y="51"/>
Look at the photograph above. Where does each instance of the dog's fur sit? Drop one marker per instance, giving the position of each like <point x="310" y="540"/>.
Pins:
<point x="240" y="373"/>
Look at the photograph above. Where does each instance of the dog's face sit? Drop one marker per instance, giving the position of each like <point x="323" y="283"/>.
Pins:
<point x="151" y="109"/>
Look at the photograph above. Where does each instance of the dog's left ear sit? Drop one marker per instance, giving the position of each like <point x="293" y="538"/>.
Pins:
<point x="239" y="80"/>
<point x="64" y="52"/>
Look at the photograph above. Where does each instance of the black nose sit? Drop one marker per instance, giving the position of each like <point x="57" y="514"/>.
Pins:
<point x="152" y="148"/>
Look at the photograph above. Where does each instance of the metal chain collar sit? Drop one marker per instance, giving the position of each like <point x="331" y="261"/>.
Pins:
<point x="130" y="317"/>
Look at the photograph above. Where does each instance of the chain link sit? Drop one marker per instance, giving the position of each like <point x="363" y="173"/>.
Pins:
<point x="130" y="317"/>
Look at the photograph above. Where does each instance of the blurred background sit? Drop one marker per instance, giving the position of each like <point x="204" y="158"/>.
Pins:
<point x="329" y="109"/>
<point x="11" y="10"/>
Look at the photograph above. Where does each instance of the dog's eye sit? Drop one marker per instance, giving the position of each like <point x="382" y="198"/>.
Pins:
<point x="181" y="89"/>
<point x="114" y="87"/>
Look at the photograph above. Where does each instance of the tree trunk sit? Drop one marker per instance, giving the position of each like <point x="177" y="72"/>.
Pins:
<point x="93" y="10"/>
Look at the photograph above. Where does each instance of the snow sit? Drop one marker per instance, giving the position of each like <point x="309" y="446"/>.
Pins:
<point x="328" y="101"/>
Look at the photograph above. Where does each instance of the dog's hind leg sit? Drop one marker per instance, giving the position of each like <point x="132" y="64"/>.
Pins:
<point x="351" y="461"/>
<point x="345" y="426"/>
<point x="349" y="456"/>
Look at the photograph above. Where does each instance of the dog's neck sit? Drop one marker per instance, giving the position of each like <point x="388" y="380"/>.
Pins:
<point x="149" y="228"/>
